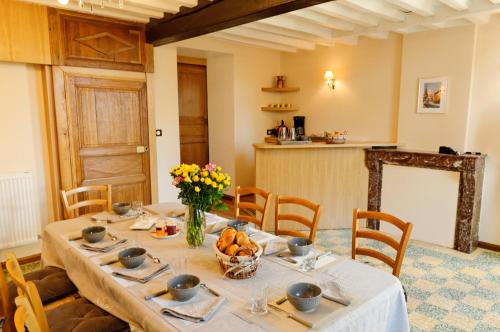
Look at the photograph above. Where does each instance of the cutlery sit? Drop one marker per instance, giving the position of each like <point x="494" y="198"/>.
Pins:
<point x="155" y="259"/>
<point x="288" y="259"/>
<point x="109" y="262"/>
<point x="210" y="290"/>
<point x="282" y="300"/>
<point x="113" y="238"/>
<point x="326" y="253"/>
<point x="157" y="294"/>
<point x="291" y="316"/>
<point x="76" y="238"/>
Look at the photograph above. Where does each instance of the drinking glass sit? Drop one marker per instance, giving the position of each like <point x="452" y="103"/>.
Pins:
<point x="309" y="261"/>
<point x="258" y="300"/>
<point x="137" y="206"/>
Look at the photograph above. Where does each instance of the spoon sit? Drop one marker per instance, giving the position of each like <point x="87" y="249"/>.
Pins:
<point x="155" y="259"/>
<point x="113" y="238"/>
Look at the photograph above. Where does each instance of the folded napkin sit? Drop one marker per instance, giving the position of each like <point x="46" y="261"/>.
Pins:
<point x="103" y="246"/>
<point x="176" y="212"/>
<point x="275" y="245"/>
<point x="144" y="273"/>
<point x="113" y="217"/>
<point x="196" y="311"/>
<point x="333" y="292"/>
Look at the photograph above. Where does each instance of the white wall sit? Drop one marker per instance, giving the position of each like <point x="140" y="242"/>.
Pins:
<point x="166" y="108"/>
<point x="484" y="124"/>
<point x="22" y="136"/>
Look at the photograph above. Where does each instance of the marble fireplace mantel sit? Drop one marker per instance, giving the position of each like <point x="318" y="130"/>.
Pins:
<point x="470" y="167"/>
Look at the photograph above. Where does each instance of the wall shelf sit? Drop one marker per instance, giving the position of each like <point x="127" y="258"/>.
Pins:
<point x="279" y="109"/>
<point x="288" y="89"/>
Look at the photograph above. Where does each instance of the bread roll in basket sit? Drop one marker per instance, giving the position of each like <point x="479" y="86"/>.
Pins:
<point x="243" y="262"/>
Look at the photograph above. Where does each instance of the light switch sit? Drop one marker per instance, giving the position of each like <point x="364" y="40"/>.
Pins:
<point x="159" y="132"/>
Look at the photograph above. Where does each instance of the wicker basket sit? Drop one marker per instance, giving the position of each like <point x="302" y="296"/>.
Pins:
<point x="239" y="267"/>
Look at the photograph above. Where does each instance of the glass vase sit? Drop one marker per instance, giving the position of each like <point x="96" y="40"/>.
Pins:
<point x="195" y="224"/>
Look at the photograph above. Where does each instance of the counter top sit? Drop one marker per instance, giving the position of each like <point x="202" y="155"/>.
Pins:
<point x="320" y="145"/>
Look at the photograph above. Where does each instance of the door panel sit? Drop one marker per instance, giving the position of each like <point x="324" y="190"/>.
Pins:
<point x="106" y="122"/>
<point x="193" y="114"/>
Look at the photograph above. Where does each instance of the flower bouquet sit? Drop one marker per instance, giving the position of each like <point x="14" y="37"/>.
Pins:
<point x="201" y="191"/>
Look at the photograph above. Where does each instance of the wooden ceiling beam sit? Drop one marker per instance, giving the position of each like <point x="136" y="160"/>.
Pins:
<point x="212" y="16"/>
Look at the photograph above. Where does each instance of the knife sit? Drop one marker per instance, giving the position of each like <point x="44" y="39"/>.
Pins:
<point x="288" y="259"/>
<point x="292" y="316"/>
<point x="109" y="262"/>
<point x="152" y="296"/>
<point x="282" y="300"/>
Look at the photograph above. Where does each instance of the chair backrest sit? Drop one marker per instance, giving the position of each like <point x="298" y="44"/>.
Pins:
<point x="27" y="289"/>
<point x="262" y="209"/>
<point x="7" y="310"/>
<point x="72" y="210"/>
<point x="400" y="246"/>
<point x="25" y="316"/>
<point x="312" y="224"/>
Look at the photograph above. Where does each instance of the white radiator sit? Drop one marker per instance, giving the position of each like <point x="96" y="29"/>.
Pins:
<point x="19" y="210"/>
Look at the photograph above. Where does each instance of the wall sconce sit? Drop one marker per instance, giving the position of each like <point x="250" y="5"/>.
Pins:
<point x="329" y="80"/>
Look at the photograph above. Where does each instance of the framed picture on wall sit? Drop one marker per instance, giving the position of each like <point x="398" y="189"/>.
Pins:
<point x="432" y="95"/>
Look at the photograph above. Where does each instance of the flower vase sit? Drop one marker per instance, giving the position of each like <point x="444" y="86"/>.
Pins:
<point x="195" y="224"/>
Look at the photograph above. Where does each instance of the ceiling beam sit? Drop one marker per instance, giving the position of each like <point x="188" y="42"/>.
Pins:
<point x="478" y="18"/>
<point x="217" y="15"/>
<point x="250" y="41"/>
<point x="376" y="7"/>
<point x="161" y="5"/>
<point x="377" y="35"/>
<point x="456" y="4"/>
<point x="420" y="7"/>
<point x="347" y="14"/>
<point x="273" y="38"/>
<point x="293" y="23"/>
<point x="323" y="20"/>
<point x="288" y="32"/>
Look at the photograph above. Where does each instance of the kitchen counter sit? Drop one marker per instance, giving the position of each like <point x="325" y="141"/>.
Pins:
<point x="321" y="145"/>
<point x="333" y="175"/>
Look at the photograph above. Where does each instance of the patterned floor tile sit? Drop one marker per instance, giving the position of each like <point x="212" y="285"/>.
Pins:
<point x="443" y="327"/>
<point x="426" y="285"/>
<point x="432" y="311"/>
<point x="492" y="319"/>
<point x="459" y="321"/>
<point x="452" y="293"/>
<point x="423" y="322"/>
<point x="441" y="301"/>
<point x="474" y="272"/>
<point x="478" y="302"/>
<point x="469" y="311"/>
<point x="431" y="260"/>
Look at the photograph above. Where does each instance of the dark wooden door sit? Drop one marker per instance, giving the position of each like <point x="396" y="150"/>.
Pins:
<point x="193" y="113"/>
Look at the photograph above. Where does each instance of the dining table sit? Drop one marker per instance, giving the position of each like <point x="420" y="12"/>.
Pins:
<point x="377" y="301"/>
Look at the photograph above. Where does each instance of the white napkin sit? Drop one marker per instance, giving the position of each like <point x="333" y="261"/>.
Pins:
<point x="144" y="273"/>
<point x="196" y="311"/>
<point x="275" y="245"/>
<point x="332" y="291"/>
<point x="113" y="217"/>
<point x="103" y="246"/>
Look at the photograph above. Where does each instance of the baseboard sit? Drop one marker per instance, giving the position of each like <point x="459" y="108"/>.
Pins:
<point x="26" y="260"/>
<point x="489" y="246"/>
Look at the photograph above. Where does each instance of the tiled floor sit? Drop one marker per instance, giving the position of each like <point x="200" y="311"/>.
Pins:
<point x="447" y="290"/>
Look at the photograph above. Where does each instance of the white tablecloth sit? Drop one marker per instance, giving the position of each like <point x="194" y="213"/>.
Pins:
<point x="377" y="297"/>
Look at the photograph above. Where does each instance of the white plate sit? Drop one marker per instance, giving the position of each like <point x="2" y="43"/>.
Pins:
<point x="166" y="236"/>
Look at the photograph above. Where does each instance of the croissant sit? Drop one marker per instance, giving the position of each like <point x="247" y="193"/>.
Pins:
<point x="245" y="252"/>
<point x="252" y="246"/>
<point x="231" y="249"/>
<point x="226" y="238"/>
<point x="241" y="237"/>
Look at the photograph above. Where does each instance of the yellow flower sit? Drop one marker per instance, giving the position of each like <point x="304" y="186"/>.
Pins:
<point x="178" y="172"/>
<point x="221" y="178"/>
<point x="218" y="168"/>
<point x="214" y="184"/>
<point x="213" y="175"/>
<point x="204" y="173"/>
<point x="196" y="178"/>
<point x="227" y="182"/>
<point x="197" y="189"/>
<point x="202" y="180"/>
<point x="221" y="186"/>
<point x="187" y="179"/>
<point x="208" y="181"/>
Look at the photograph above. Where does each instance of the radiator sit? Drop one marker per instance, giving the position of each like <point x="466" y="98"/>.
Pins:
<point x="19" y="210"/>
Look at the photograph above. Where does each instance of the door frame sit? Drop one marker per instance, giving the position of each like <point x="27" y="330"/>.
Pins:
<point x="62" y="160"/>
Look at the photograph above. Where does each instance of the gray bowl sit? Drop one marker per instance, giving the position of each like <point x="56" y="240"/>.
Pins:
<point x="121" y="208"/>
<point x="93" y="234"/>
<point x="239" y="225"/>
<point x="299" y="246"/>
<point x="304" y="296"/>
<point x="183" y="287"/>
<point x="132" y="257"/>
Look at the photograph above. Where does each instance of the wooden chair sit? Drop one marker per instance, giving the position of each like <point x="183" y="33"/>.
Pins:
<point x="25" y="316"/>
<point x="7" y="310"/>
<point x="69" y="210"/>
<point x="259" y="222"/>
<point x="400" y="246"/>
<point x="311" y="224"/>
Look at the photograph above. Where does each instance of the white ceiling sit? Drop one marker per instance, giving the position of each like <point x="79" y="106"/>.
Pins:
<point x="341" y="21"/>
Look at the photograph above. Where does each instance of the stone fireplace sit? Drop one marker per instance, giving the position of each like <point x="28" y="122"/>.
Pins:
<point x="471" y="169"/>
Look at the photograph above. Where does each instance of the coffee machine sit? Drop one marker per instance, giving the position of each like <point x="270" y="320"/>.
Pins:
<point x="299" y="125"/>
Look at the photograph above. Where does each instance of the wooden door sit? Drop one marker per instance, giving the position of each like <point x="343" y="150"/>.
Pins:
<point x="102" y="125"/>
<point x="193" y="113"/>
